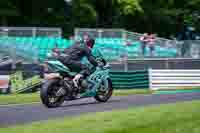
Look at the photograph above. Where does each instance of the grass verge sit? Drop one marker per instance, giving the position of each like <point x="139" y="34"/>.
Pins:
<point x="131" y="92"/>
<point x="34" y="97"/>
<point x="19" y="98"/>
<point x="170" y="118"/>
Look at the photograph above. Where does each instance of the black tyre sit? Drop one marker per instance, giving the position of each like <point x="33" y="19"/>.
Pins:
<point x="104" y="94"/>
<point x="48" y="94"/>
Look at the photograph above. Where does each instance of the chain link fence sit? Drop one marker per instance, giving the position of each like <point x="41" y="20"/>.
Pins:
<point x="165" y="48"/>
<point x="121" y="34"/>
<point x="123" y="53"/>
<point x="30" y="32"/>
<point x="99" y="33"/>
<point x="17" y="43"/>
<point x="184" y="49"/>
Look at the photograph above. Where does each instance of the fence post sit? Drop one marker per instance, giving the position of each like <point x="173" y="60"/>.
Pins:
<point x="76" y="30"/>
<point x="60" y="33"/>
<point x="167" y="63"/>
<point x="13" y="55"/>
<point x="126" y="63"/>
<point x="100" y="33"/>
<point x="150" y="78"/>
<point x="5" y="31"/>
<point x="34" y="32"/>
<point x="124" y="36"/>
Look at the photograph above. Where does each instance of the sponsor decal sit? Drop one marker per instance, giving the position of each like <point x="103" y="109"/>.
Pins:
<point x="4" y="81"/>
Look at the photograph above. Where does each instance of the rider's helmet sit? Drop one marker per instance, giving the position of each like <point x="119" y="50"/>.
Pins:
<point x="88" y="40"/>
<point x="90" y="43"/>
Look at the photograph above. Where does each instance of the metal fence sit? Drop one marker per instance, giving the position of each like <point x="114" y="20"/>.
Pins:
<point x="100" y="33"/>
<point x="184" y="49"/>
<point x="9" y="46"/>
<point x="114" y="33"/>
<point x="159" y="41"/>
<point x="30" y="32"/>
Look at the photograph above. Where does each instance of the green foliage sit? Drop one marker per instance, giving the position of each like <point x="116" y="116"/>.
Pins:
<point x="19" y="99"/>
<point x="83" y="13"/>
<point x="7" y="8"/>
<point x="138" y="15"/>
<point x="129" y="7"/>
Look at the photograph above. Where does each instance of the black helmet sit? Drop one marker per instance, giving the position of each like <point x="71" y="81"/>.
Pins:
<point x="90" y="43"/>
<point x="88" y="40"/>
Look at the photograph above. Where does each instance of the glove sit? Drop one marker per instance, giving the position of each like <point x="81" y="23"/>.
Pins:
<point x="101" y="62"/>
<point x="76" y="79"/>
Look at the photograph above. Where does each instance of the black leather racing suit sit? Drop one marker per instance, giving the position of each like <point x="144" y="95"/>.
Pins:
<point x="73" y="57"/>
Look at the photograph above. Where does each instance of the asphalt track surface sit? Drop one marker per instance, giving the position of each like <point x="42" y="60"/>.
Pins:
<point x="23" y="114"/>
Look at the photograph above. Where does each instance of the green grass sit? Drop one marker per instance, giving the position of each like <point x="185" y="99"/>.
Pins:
<point x="170" y="118"/>
<point x="131" y="92"/>
<point x="19" y="98"/>
<point x="34" y="97"/>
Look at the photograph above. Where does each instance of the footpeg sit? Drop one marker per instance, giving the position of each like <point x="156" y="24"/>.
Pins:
<point x="61" y="92"/>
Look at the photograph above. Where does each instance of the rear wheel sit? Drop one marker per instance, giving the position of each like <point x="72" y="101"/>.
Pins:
<point x="48" y="94"/>
<point x="104" y="94"/>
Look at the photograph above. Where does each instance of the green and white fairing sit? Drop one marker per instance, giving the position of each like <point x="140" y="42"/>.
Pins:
<point x="96" y="79"/>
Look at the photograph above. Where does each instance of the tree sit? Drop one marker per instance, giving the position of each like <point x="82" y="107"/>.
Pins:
<point x="84" y="14"/>
<point x="7" y="9"/>
<point x="160" y="16"/>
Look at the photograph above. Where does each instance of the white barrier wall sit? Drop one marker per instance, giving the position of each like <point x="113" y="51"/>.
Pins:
<point x="173" y="79"/>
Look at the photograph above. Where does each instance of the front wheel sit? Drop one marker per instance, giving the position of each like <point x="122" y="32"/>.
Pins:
<point x="104" y="94"/>
<point x="48" y="94"/>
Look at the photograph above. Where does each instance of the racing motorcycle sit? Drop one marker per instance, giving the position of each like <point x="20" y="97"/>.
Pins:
<point x="59" y="87"/>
